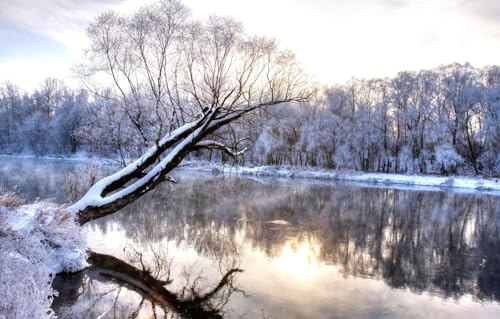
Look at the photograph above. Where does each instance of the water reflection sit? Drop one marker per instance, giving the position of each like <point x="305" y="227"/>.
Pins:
<point x="444" y="243"/>
<point x="300" y="256"/>
<point x="310" y="250"/>
<point x="114" y="288"/>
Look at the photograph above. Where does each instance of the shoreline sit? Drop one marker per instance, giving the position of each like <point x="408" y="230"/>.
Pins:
<point x="379" y="179"/>
<point x="491" y="185"/>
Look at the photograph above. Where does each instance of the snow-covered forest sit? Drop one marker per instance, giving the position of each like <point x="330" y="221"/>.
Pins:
<point x="159" y="87"/>
<point x="440" y="121"/>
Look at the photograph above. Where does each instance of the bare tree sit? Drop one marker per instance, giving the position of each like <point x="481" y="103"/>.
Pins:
<point x="10" y="101"/>
<point x="178" y="82"/>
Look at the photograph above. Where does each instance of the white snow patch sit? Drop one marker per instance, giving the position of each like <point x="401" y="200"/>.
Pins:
<point x="57" y="228"/>
<point x="21" y="220"/>
<point x="278" y="222"/>
<point x="25" y="281"/>
<point x="79" y="157"/>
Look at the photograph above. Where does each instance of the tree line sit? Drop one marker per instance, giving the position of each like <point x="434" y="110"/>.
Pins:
<point x="440" y="121"/>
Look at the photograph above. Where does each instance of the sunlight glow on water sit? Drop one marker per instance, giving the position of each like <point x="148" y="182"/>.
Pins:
<point x="300" y="257"/>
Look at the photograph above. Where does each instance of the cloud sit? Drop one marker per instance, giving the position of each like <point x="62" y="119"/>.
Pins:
<point x="20" y="43"/>
<point x="334" y="39"/>
<point x="487" y="9"/>
<point x="39" y="39"/>
<point x="484" y="13"/>
<point x="29" y="73"/>
<point x="60" y="20"/>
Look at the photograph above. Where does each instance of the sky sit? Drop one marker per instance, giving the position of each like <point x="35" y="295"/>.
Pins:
<point x="334" y="40"/>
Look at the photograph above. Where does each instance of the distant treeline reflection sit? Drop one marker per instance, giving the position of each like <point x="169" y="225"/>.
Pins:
<point x="444" y="243"/>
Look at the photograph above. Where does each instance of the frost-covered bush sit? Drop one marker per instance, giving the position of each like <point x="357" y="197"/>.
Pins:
<point x="36" y="242"/>
<point x="25" y="281"/>
<point x="406" y="162"/>
<point x="447" y="159"/>
<point x="34" y="131"/>
<point x="344" y="157"/>
<point x="64" y="235"/>
<point x="10" y="199"/>
<point x="267" y="148"/>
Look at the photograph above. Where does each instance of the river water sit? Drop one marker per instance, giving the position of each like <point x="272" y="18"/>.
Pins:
<point x="236" y="247"/>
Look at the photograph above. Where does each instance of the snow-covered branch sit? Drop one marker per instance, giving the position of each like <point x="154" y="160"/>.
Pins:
<point x="211" y="144"/>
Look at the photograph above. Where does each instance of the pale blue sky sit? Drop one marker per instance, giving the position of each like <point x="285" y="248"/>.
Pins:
<point x="334" y="40"/>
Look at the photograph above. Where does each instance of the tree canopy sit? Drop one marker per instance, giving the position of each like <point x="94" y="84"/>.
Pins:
<point x="178" y="81"/>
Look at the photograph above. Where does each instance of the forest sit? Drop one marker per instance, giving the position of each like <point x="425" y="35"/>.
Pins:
<point x="440" y="121"/>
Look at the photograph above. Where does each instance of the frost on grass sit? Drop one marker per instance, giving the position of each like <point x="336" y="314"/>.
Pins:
<point x="25" y="281"/>
<point x="36" y="242"/>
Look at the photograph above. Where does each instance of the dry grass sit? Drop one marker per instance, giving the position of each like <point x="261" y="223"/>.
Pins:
<point x="54" y="216"/>
<point x="10" y="199"/>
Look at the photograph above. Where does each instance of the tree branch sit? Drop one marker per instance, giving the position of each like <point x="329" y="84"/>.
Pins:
<point x="211" y="144"/>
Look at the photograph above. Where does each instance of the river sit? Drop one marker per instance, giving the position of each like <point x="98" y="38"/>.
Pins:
<point x="237" y="247"/>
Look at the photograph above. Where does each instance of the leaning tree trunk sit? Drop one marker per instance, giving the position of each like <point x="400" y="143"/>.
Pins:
<point x="141" y="176"/>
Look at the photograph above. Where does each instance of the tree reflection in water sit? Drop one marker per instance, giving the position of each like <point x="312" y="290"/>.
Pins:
<point x="440" y="242"/>
<point x="113" y="288"/>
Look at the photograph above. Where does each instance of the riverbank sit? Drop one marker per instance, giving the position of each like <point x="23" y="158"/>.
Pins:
<point x="464" y="182"/>
<point x="459" y="182"/>
<point x="37" y="241"/>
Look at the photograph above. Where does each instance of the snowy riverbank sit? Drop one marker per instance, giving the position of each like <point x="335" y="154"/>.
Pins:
<point x="37" y="241"/>
<point x="463" y="182"/>
<point x="460" y="182"/>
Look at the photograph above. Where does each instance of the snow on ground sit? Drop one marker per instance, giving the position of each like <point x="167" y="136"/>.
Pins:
<point x="25" y="281"/>
<point x="36" y="242"/>
<point x="492" y="184"/>
<point x="80" y="157"/>
<point x="57" y="228"/>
